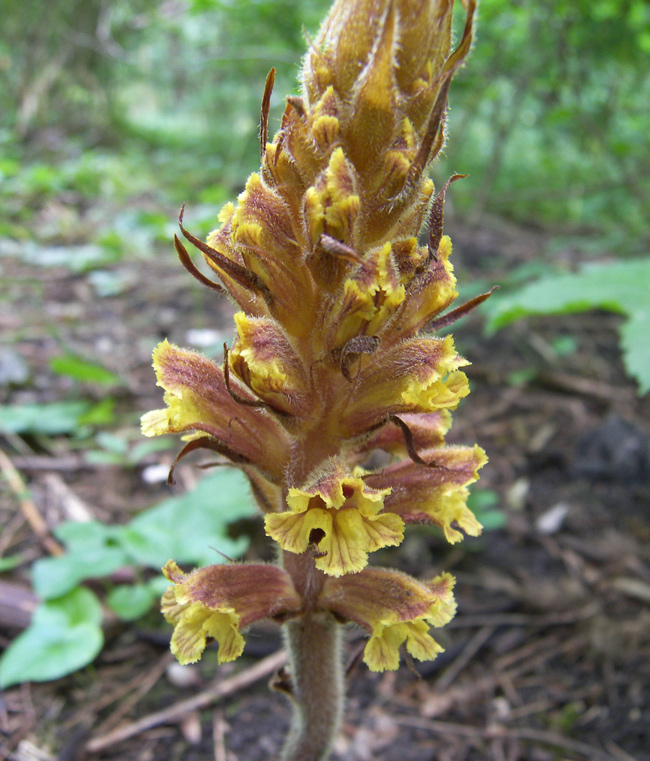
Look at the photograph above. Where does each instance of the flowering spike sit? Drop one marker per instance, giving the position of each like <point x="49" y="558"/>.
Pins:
<point x="333" y="360"/>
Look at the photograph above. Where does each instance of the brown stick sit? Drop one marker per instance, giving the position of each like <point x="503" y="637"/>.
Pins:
<point x="34" y="518"/>
<point x="218" y="691"/>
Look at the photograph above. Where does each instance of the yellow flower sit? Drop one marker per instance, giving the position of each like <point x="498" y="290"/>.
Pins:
<point x="435" y="494"/>
<point x="194" y="623"/>
<point x="335" y="365"/>
<point x="264" y="359"/>
<point x="396" y="609"/>
<point x="339" y="517"/>
<point x="416" y="375"/>
<point x="199" y="402"/>
<point x="218" y="601"/>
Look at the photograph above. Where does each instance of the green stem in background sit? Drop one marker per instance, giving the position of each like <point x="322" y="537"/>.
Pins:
<point x="314" y="645"/>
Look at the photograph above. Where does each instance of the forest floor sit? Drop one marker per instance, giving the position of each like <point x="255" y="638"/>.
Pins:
<point x="549" y="655"/>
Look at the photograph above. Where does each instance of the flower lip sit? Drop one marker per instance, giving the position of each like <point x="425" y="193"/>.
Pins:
<point x="342" y="513"/>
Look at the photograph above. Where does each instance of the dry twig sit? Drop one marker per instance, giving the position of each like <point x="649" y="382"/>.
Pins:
<point x="30" y="511"/>
<point x="219" y="690"/>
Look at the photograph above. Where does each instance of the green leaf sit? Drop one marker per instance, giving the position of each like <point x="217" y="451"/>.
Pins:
<point x="75" y="258"/>
<point x="484" y="503"/>
<point x="112" y="442"/>
<point x="131" y="601"/>
<point x="10" y="561"/>
<point x="193" y="527"/>
<point x="564" y="345"/>
<point x="145" y="448"/>
<point x="80" y="369"/>
<point x="93" y="551"/>
<point x="636" y="346"/>
<point x="100" y="457"/>
<point x="64" y="635"/>
<point x="101" y="413"/>
<point x="48" y="419"/>
<point x="622" y="287"/>
<point x="107" y="283"/>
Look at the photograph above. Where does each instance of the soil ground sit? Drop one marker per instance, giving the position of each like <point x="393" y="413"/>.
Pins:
<point x="548" y="657"/>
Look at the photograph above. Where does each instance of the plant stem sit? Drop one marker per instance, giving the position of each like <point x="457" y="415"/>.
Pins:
<point x="313" y="643"/>
<point x="317" y="681"/>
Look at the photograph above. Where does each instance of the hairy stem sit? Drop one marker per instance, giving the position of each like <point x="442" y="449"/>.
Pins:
<point x="317" y="680"/>
<point x="313" y="642"/>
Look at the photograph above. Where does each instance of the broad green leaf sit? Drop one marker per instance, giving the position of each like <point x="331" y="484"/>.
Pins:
<point x="192" y="528"/>
<point x="110" y="282"/>
<point x="75" y="258"/>
<point x="100" y="457"/>
<point x="622" y="287"/>
<point x="10" y="561"/>
<point x="131" y="601"/>
<point x="144" y="448"/>
<point x="48" y="419"/>
<point x="112" y="442"/>
<point x="65" y="635"/>
<point x="92" y="551"/>
<point x="80" y="369"/>
<point x="484" y="503"/>
<point x="101" y="413"/>
<point x="635" y="341"/>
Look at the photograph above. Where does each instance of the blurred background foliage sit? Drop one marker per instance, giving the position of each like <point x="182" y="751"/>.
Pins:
<point x="123" y="99"/>
<point x="115" y="112"/>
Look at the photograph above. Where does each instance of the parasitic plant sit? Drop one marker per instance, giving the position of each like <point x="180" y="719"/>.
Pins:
<point x="335" y="397"/>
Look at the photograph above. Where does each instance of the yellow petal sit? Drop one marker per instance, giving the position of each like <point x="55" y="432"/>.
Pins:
<point x="292" y="530"/>
<point x="352" y="537"/>
<point x="194" y="623"/>
<point x="443" y="609"/>
<point x="369" y="298"/>
<point x="345" y="510"/>
<point x="419" y="643"/>
<point x="381" y="652"/>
